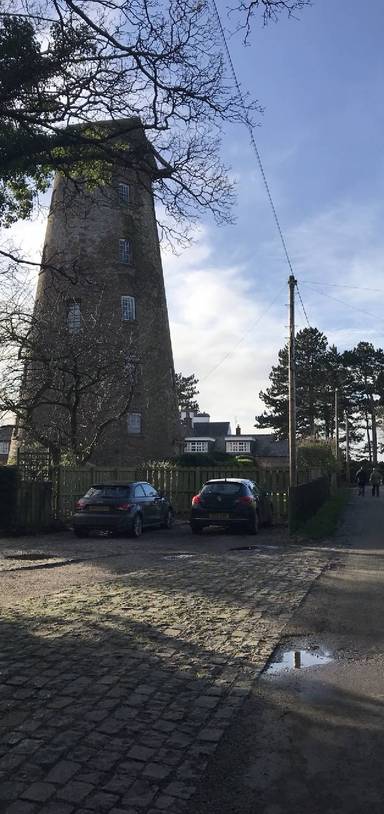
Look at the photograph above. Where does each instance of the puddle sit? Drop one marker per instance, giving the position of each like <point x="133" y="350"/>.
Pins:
<point x="183" y="555"/>
<point x="29" y="556"/>
<point x="285" y="661"/>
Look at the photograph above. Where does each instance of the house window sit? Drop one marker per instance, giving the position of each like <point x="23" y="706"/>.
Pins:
<point x="128" y="309"/>
<point x="4" y="447"/>
<point x="124" y="193"/>
<point x="196" y="446"/>
<point x="125" y="252"/>
<point x="238" y="446"/>
<point x="134" y="423"/>
<point x="73" y="317"/>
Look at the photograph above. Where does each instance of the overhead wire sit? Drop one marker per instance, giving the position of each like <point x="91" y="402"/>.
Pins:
<point x="303" y="307"/>
<point x="252" y="137"/>
<point x="343" y="285"/>
<point x="347" y="304"/>
<point x="244" y="336"/>
<point x="266" y="184"/>
<point x="267" y="188"/>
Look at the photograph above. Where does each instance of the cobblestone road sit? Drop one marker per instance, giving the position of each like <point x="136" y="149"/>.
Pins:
<point x="115" y="695"/>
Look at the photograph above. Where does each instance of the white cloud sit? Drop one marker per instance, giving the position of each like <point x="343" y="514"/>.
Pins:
<point x="27" y="236"/>
<point x="224" y="328"/>
<point x="213" y="306"/>
<point x="222" y="331"/>
<point x="338" y="257"/>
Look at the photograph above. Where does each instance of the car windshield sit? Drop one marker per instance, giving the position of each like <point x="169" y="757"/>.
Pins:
<point x="222" y="488"/>
<point x="108" y="491"/>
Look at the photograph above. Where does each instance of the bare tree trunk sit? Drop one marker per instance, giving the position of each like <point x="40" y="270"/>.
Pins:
<point x="374" y="435"/>
<point x="368" y="436"/>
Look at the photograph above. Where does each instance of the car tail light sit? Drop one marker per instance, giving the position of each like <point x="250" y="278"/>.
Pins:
<point x="196" y="500"/>
<point x="247" y="499"/>
<point x="80" y="504"/>
<point x="124" y="507"/>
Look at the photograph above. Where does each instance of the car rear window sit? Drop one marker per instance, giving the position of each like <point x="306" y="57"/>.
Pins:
<point x="224" y="488"/>
<point x="108" y="491"/>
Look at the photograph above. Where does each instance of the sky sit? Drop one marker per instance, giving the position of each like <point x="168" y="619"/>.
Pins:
<point x="319" y="78"/>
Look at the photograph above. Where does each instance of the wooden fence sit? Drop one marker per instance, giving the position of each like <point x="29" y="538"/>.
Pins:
<point x="34" y="506"/>
<point x="305" y="500"/>
<point x="180" y="484"/>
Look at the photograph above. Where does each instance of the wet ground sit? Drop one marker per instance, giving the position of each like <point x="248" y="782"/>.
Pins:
<point x="311" y="736"/>
<point x="296" y="655"/>
<point x="124" y="662"/>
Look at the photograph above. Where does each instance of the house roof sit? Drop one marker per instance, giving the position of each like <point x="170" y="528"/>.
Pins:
<point x="199" y="438"/>
<point x="211" y="429"/>
<point x="6" y="431"/>
<point x="268" y="446"/>
<point x="240" y="438"/>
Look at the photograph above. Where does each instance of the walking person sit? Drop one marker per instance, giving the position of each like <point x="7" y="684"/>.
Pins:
<point x="375" y="480"/>
<point x="361" y="479"/>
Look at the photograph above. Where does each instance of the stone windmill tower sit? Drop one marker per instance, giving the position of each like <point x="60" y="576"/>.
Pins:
<point x="102" y="320"/>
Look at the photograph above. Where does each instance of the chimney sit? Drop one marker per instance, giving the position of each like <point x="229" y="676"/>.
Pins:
<point x="200" y="418"/>
<point x="188" y="420"/>
<point x="238" y="430"/>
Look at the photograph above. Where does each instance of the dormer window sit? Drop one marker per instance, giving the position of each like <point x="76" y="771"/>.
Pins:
<point x="238" y="446"/>
<point x="125" y="252"/>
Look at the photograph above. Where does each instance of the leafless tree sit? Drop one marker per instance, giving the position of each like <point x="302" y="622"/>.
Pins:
<point x="65" y="384"/>
<point x="269" y="11"/>
<point x="153" y="65"/>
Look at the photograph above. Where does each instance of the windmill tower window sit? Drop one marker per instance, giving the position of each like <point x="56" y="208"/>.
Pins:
<point x="134" y="423"/>
<point x="133" y="368"/>
<point x="73" y="317"/>
<point x="124" y="193"/>
<point x="125" y="252"/>
<point x="128" y="309"/>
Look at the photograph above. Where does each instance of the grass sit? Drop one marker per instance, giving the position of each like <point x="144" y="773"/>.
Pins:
<point x="326" y="521"/>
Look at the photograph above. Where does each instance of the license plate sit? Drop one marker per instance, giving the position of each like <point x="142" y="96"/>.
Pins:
<point x="218" y="516"/>
<point x="98" y="509"/>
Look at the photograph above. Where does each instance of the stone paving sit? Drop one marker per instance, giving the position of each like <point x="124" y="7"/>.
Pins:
<point x="115" y="696"/>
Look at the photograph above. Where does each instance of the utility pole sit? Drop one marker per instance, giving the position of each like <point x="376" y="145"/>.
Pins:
<point x="347" y="467"/>
<point x="292" y="383"/>
<point x="337" y="422"/>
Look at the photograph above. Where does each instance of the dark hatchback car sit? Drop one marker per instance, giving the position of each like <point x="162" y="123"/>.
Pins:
<point x="231" y="502"/>
<point x="121" y="507"/>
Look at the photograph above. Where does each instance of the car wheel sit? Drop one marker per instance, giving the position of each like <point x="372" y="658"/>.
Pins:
<point x="137" y="526"/>
<point x="81" y="532"/>
<point x="168" y="520"/>
<point x="254" y="524"/>
<point x="196" y="529"/>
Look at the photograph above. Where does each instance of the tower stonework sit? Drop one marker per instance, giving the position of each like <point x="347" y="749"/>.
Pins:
<point x="102" y="272"/>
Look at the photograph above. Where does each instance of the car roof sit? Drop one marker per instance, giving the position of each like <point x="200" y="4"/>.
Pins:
<point x="230" y="480"/>
<point x="116" y="483"/>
